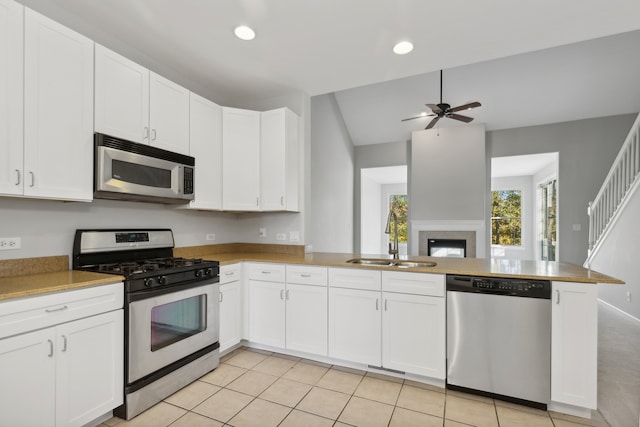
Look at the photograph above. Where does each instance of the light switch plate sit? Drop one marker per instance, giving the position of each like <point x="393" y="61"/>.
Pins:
<point x="294" y="236"/>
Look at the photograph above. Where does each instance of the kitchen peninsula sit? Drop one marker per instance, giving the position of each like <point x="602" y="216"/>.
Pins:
<point x="311" y="305"/>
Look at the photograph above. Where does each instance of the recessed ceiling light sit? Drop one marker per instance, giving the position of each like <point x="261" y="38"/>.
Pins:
<point x="245" y="33"/>
<point x="403" y="48"/>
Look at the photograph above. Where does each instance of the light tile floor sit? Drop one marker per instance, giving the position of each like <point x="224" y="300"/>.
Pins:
<point x="262" y="389"/>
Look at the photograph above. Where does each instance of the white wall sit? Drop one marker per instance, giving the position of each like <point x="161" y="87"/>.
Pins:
<point x="371" y="220"/>
<point x="330" y="217"/>
<point x="524" y="184"/>
<point x="618" y="257"/>
<point x="47" y="228"/>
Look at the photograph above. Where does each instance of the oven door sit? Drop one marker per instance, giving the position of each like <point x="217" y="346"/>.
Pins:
<point x="119" y="171"/>
<point x="165" y="328"/>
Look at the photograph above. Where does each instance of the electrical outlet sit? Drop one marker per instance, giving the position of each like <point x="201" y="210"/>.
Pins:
<point x="8" y="243"/>
<point x="210" y="236"/>
<point x="294" y="236"/>
<point x="281" y="236"/>
<point x="263" y="232"/>
<point x="628" y="296"/>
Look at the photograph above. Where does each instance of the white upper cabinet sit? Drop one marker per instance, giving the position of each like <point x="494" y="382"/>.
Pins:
<point x="206" y="146"/>
<point x="279" y="174"/>
<point x="122" y="97"/>
<point x="240" y="159"/>
<point x="11" y="100"/>
<point x="58" y="106"/>
<point x="168" y="114"/>
<point x="138" y="105"/>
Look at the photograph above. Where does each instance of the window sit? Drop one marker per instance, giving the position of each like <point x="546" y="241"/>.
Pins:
<point x="506" y="217"/>
<point x="398" y="204"/>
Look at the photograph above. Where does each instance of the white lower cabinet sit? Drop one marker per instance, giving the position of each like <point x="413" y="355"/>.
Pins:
<point x="288" y="307"/>
<point x="574" y="344"/>
<point x="230" y="306"/>
<point x="403" y="330"/>
<point x="66" y="375"/>
<point x="65" y="371"/>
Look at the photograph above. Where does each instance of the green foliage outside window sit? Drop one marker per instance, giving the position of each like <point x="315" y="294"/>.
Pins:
<point x="398" y="204"/>
<point x="506" y="217"/>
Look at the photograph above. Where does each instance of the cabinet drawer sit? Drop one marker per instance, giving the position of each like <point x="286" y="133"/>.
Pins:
<point x="307" y="275"/>
<point x="229" y="273"/>
<point x="354" y="278"/>
<point x="266" y="272"/>
<point x="413" y="283"/>
<point x="27" y="314"/>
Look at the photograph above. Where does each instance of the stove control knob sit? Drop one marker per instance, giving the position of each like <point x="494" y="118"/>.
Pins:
<point x="149" y="282"/>
<point x="162" y="280"/>
<point x="199" y="273"/>
<point x="208" y="272"/>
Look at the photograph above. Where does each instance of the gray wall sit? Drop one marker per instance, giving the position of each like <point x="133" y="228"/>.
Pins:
<point x="587" y="149"/>
<point x="448" y="174"/>
<point x="330" y="217"/>
<point x="374" y="156"/>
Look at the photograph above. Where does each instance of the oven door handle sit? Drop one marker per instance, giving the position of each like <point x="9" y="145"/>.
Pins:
<point x="151" y="293"/>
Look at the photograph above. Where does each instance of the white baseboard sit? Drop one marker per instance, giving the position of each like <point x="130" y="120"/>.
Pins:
<point x="619" y="311"/>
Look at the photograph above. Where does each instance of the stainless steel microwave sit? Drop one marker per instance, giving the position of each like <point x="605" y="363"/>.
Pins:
<point x="126" y="170"/>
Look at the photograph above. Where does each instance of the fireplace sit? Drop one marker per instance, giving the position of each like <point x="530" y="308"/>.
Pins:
<point x="472" y="232"/>
<point x="450" y="248"/>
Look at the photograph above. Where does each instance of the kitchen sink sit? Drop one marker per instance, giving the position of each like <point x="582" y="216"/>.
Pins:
<point x="391" y="262"/>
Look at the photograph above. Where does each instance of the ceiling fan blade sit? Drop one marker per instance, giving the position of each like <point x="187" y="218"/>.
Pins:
<point x="432" y="123"/>
<point x="465" y="107"/>
<point x="418" y="117"/>
<point x="459" y="117"/>
<point x="434" y="108"/>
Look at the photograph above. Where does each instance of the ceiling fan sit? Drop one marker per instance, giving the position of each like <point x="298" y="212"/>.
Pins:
<point x="445" y="110"/>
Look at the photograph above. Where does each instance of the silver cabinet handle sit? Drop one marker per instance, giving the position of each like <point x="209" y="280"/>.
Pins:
<point x="229" y="273"/>
<point x="257" y="201"/>
<point x="50" y="348"/>
<point x="220" y="296"/>
<point x="33" y="179"/>
<point x="265" y="272"/>
<point x="377" y="304"/>
<point x="53" y="310"/>
<point x="145" y="134"/>
<point x="385" y="304"/>
<point x="17" y="176"/>
<point x="286" y="294"/>
<point x="64" y="343"/>
<point x="281" y="200"/>
<point x="305" y="275"/>
<point x="153" y="134"/>
<point x="557" y="296"/>
<point x="282" y="294"/>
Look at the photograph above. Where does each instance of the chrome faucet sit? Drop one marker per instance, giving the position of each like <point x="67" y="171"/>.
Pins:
<point x="393" y="250"/>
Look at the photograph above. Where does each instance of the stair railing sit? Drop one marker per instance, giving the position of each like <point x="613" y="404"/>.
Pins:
<point x="622" y="175"/>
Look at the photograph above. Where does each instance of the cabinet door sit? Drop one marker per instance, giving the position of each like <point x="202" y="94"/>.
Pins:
<point x="122" y="97"/>
<point x="11" y="105"/>
<point x="27" y="369"/>
<point x="90" y="360"/>
<point x="58" y="102"/>
<point x="355" y="325"/>
<point x="306" y="318"/>
<point x="230" y="315"/>
<point x="266" y="313"/>
<point x="168" y="114"/>
<point x="206" y="146"/>
<point x="279" y="160"/>
<point x="413" y="334"/>
<point x="240" y="160"/>
<point x="574" y="344"/>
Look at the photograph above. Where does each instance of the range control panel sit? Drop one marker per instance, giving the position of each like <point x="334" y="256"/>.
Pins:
<point x="500" y="286"/>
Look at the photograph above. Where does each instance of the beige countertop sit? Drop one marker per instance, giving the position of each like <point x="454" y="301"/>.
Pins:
<point x="495" y="267"/>
<point x="16" y="281"/>
<point x="42" y="283"/>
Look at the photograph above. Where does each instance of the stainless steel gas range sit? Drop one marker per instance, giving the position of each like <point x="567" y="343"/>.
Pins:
<point x="171" y="310"/>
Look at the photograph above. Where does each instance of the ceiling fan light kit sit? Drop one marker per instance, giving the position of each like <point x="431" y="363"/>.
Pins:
<point x="444" y="110"/>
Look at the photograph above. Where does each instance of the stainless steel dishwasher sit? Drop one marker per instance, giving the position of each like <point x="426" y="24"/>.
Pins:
<point x="499" y="338"/>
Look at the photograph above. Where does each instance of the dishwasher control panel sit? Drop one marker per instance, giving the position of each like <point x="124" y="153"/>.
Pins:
<point x="500" y="286"/>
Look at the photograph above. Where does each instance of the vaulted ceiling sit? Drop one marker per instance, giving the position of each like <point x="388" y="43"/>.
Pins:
<point x="527" y="62"/>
